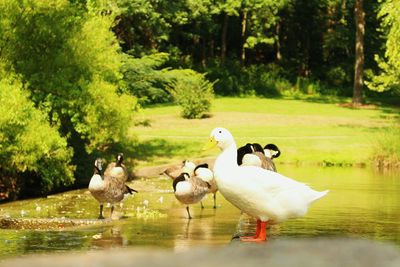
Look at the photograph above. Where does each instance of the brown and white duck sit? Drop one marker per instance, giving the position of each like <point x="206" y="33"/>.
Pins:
<point x="110" y="187"/>
<point x="189" y="190"/>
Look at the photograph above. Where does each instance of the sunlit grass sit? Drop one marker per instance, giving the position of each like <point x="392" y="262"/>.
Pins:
<point x="307" y="131"/>
<point x="387" y="148"/>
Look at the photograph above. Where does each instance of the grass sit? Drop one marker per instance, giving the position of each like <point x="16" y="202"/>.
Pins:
<point x="317" y="131"/>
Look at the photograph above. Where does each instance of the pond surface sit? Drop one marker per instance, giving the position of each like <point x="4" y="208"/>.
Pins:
<point x="361" y="203"/>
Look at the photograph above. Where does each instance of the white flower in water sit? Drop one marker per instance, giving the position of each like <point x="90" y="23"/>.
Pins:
<point x="23" y="213"/>
<point x="161" y="199"/>
<point x="38" y="208"/>
<point x="146" y="202"/>
<point x="97" y="236"/>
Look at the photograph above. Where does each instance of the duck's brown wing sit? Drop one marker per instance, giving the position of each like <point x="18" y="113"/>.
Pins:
<point x="199" y="186"/>
<point x="266" y="163"/>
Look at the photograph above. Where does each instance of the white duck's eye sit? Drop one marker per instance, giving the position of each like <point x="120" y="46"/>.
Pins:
<point x="219" y="131"/>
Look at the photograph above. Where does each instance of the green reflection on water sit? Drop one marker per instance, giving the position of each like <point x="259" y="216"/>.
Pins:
<point x="361" y="203"/>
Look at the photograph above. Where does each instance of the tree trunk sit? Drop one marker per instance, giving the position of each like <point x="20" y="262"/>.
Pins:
<point x="278" y="42"/>
<point x="203" y="52"/>
<point x="359" y="62"/>
<point x="223" y="37"/>
<point x="244" y="24"/>
<point x="343" y="10"/>
<point x="212" y="48"/>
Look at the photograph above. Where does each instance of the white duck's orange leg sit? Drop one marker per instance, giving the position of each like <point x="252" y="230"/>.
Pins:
<point x="261" y="233"/>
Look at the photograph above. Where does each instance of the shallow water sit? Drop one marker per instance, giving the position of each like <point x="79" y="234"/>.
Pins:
<point x="361" y="203"/>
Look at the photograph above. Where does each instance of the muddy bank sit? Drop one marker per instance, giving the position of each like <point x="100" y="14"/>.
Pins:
<point x="47" y="224"/>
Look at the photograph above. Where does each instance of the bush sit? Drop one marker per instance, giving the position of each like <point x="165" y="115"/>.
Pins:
<point x="337" y="76"/>
<point x="262" y="80"/>
<point x="33" y="156"/>
<point x="265" y="80"/>
<point x="228" y="78"/>
<point x="192" y="91"/>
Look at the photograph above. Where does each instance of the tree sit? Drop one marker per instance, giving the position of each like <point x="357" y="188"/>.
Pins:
<point x="359" y="61"/>
<point x="389" y="78"/>
<point x="34" y="159"/>
<point x="69" y="59"/>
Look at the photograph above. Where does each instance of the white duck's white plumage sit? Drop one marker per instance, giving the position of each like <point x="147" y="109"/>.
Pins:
<point x="263" y="194"/>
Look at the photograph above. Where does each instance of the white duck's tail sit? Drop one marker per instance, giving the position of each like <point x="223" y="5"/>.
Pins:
<point x="319" y="195"/>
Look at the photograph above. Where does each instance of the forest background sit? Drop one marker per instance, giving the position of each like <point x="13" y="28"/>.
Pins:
<point x="74" y="73"/>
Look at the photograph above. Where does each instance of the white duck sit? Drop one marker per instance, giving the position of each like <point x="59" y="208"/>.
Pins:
<point x="268" y="196"/>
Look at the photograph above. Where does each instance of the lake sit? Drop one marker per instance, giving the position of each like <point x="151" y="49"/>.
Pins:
<point x="361" y="203"/>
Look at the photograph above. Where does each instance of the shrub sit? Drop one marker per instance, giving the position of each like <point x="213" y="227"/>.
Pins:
<point x="337" y="76"/>
<point x="228" y="78"/>
<point x="192" y="91"/>
<point x="33" y="156"/>
<point x="262" y="80"/>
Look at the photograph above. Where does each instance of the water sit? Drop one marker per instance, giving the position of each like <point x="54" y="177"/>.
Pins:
<point x="361" y="203"/>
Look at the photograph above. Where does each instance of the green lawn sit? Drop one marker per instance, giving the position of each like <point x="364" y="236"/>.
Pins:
<point x="306" y="131"/>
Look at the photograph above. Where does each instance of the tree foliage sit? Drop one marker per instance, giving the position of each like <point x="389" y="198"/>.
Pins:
<point x="84" y="65"/>
<point x="32" y="153"/>
<point x="69" y="60"/>
<point x="389" y="79"/>
<point x="144" y="78"/>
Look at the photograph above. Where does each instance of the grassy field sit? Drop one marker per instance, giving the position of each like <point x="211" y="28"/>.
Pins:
<point x="307" y="131"/>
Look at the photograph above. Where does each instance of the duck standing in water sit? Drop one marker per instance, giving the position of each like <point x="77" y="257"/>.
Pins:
<point x="97" y="185"/>
<point x="189" y="190"/>
<point x="111" y="187"/>
<point x="204" y="173"/>
<point x="265" y="195"/>
<point x="186" y="166"/>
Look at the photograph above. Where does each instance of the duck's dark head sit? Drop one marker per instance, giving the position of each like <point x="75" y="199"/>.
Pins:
<point x="243" y="151"/>
<point x="119" y="159"/>
<point x="98" y="166"/>
<point x="275" y="152"/>
<point x="182" y="177"/>
<point x="257" y="147"/>
<point x="204" y="165"/>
